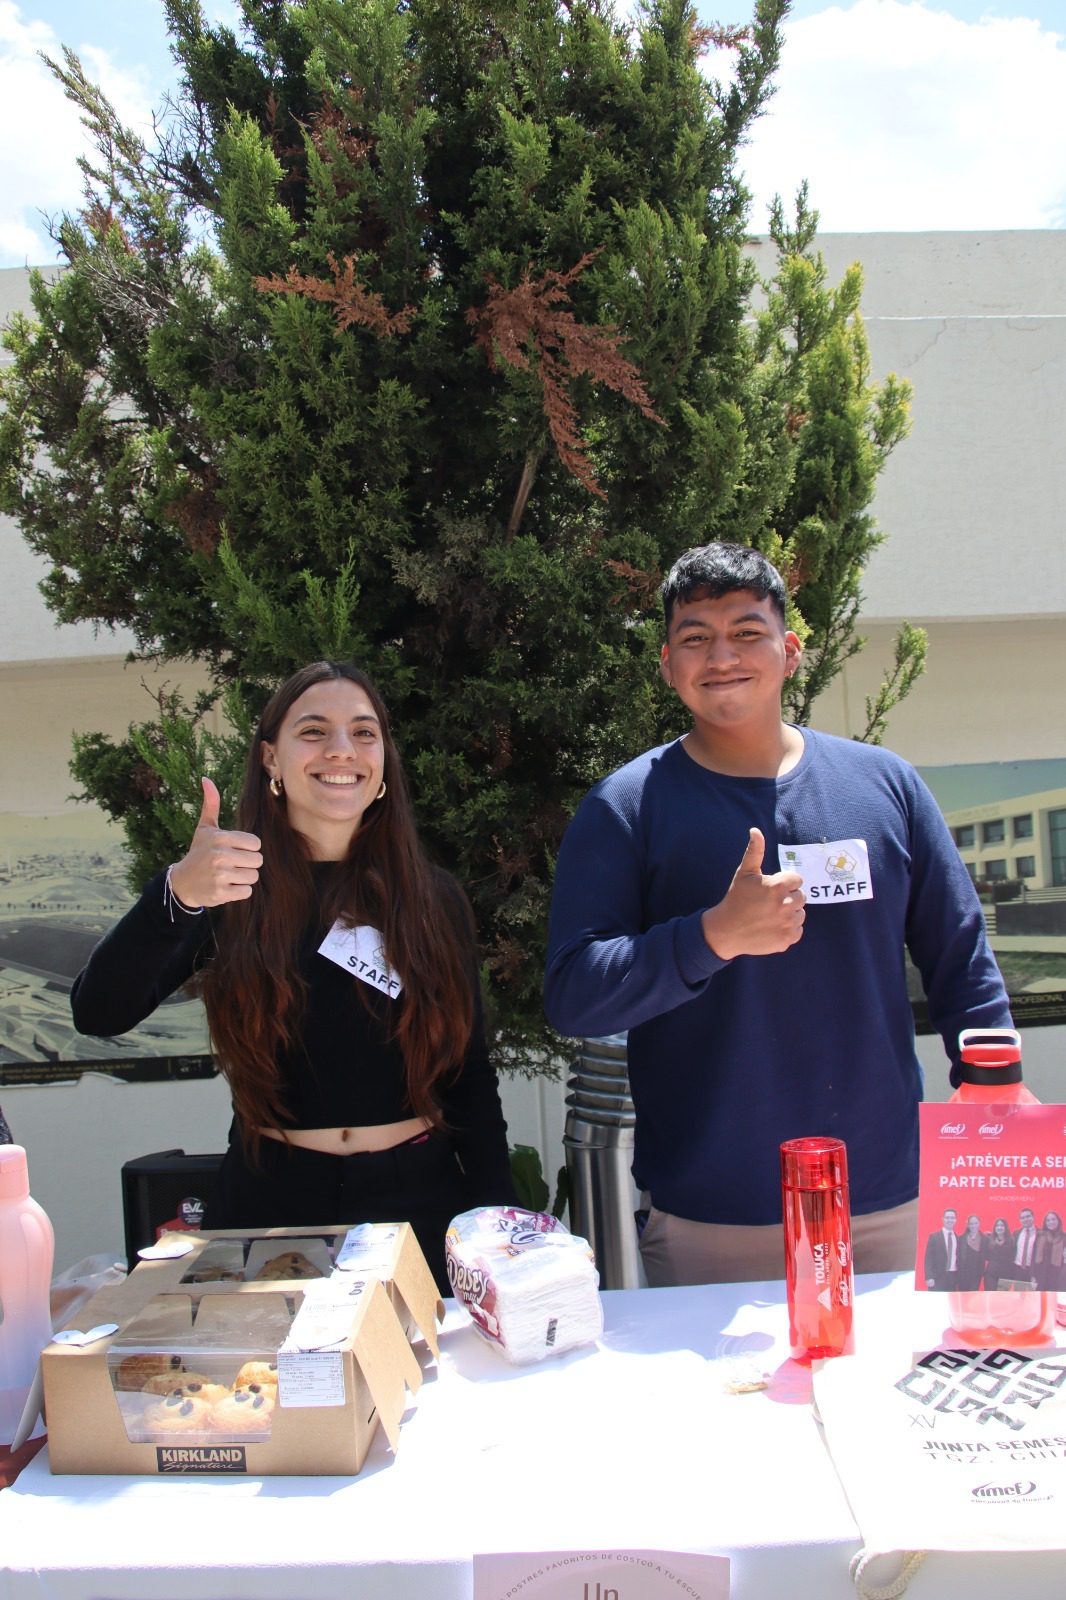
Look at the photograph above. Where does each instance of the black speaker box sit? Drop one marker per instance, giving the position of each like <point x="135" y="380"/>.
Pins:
<point x="163" y="1187"/>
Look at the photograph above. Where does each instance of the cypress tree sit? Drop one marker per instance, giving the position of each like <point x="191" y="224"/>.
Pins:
<point x="425" y="335"/>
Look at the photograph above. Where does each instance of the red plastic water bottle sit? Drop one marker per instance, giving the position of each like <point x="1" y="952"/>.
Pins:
<point x="818" y="1270"/>
<point x="991" y="1074"/>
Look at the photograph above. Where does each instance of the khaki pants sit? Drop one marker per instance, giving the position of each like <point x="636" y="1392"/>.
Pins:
<point x="675" y="1251"/>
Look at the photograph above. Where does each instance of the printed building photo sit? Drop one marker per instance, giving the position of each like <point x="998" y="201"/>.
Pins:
<point x="62" y="885"/>
<point x="1011" y="835"/>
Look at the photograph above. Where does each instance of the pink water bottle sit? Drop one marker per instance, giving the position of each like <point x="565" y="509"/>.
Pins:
<point x="990" y="1073"/>
<point x="818" y="1270"/>
<point x="26" y="1248"/>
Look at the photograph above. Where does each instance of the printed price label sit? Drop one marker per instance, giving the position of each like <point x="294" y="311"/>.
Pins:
<point x="309" y="1378"/>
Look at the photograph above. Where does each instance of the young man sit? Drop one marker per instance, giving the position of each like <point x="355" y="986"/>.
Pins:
<point x="942" y="1254"/>
<point x="1025" y="1242"/>
<point x="739" y="902"/>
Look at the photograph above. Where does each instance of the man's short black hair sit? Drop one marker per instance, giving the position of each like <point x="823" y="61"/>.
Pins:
<point x="712" y="570"/>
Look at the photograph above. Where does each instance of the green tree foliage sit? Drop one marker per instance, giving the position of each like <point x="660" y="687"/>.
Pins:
<point x="423" y="335"/>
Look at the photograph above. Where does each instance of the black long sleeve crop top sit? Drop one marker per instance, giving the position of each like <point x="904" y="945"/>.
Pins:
<point x="342" y="1069"/>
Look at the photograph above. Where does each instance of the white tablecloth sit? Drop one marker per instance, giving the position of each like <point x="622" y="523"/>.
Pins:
<point x="633" y="1444"/>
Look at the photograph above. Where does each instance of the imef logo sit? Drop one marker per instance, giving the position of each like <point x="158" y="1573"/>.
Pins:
<point x="990" y="1130"/>
<point x="952" y="1130"/>
<point x="1004" y="1491"/>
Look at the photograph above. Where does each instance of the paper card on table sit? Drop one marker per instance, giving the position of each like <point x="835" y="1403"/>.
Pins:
<point x="601" y="1575"/>
<point x="1005" y="1165"/>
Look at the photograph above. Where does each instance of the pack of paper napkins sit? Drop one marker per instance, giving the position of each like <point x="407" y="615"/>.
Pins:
<point x="530" y="1286"/>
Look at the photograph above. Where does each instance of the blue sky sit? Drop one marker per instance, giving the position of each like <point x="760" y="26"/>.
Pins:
<point x="133" y="30"/>
<point x="902" y="114"/>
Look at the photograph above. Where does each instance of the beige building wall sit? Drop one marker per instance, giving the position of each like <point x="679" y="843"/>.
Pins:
<point x="973" y="503"/>
<point x="973" y="507"/>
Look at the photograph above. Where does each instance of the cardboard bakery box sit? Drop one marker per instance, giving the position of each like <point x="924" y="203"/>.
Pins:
<point x="263" y="1257"/>
<point x="267" y="1353"/>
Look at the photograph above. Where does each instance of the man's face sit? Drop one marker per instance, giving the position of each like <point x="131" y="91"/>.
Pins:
<point x="727" y="658"/>
<point x="949" y="1221"/>
<point x="1027" y="1218"/>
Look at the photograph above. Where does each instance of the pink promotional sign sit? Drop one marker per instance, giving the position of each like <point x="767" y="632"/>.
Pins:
<point x="992" y="1197"/>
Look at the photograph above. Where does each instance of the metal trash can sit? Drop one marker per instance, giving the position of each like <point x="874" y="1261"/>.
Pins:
<point x="598" y="1140"/>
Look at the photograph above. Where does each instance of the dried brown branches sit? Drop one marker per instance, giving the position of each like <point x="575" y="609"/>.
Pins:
<point x="198" y="515"/>
<point x="533" y="319"/>
<point x="722" y="36"/>
<point x="640" y="585"/>
<point x="352" y="304"/>
<point x="332" y="130"/>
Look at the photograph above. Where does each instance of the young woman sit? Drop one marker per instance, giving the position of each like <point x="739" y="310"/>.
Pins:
<point x="972" y="1254"/>
<point x="999" y="1254"/>
<point x="339" y="976"/>
<point x="1049" y="1257"/>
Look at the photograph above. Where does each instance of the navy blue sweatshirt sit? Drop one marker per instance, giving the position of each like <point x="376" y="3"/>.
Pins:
<point x="728" y="1058"/>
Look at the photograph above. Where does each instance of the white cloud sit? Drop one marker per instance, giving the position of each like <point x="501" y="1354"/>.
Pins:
<point x="905" y="118"/>
<point x="901" y="117"/>
<point x="19" y="243"/>
<point x="41" y="133"/>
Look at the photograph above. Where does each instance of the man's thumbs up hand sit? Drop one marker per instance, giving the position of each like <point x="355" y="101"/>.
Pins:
<point x="761" y="914"/>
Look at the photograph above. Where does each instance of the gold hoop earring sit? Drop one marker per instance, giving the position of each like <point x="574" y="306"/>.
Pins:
<point x="275" y="787"/>
<point x="381" y="792"/>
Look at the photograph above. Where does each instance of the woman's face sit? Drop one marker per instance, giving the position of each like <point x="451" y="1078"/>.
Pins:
<point x="999" y="1232"/>
<point x="329" y="758"/>
<point x="1053" y="1222"/>
<point x="973" y="1226"/>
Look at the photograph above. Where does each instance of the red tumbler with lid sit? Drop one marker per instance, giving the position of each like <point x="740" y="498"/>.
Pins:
<point x="818" y="1270"/>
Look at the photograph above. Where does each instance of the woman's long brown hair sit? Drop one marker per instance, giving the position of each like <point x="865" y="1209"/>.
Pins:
<point x="252" y="990"/>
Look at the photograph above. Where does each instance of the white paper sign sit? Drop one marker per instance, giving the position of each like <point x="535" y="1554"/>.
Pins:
<point x="326" y="1313"/>
<point x="361" y="951"/>
<point x="168" y="1248"/>
<point x="368" y="1248"/>
<point x="962" y="1450"/>
<point x="601" y="1575"/>
<point x="835" y="872"/>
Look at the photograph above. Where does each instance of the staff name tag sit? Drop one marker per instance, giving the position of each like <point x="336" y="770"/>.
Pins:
<point x="361" y="951"/>
<point x="834" y="872"/>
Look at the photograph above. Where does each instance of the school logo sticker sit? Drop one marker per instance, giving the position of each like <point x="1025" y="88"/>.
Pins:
<point x="840" y="866"/>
